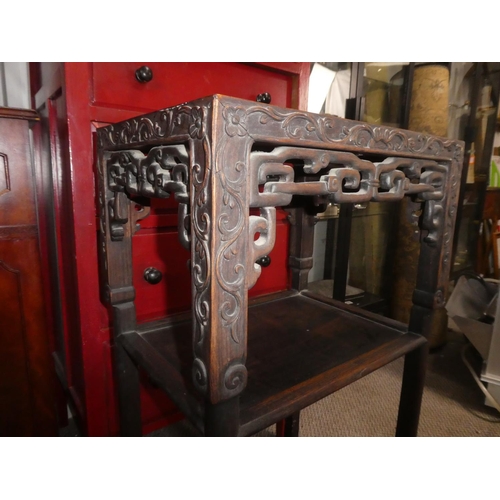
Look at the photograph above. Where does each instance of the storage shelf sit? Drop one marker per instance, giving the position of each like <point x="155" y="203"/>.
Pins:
<point x="299" y="347"/>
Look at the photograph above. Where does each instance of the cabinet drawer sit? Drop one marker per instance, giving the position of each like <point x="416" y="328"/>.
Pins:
<point x="115" y="84"/>
<point x="162" y="250"/>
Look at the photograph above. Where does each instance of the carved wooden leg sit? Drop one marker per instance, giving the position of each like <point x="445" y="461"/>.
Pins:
<point x="411" y="392"/>
<point x="222" y="419"/>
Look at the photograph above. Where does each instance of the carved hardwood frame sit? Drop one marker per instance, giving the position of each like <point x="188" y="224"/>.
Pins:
<point x="221" y="156"/>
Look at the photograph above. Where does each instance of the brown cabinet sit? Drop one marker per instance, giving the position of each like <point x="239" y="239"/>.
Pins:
<point x="26" y="370"/>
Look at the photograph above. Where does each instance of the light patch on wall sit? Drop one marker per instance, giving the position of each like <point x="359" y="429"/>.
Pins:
<point x="14" y="83"/>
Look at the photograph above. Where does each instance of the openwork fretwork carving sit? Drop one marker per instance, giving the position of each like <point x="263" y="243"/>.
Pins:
<point x="346" y="178"/>
<point x="160" y="173"/>
<point x="265" y="226"/>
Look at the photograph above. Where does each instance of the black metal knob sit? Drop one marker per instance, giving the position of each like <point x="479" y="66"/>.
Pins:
<point x="144" y="74"/>
<point x="264" y="97"/>
<point x="264" y="261"/>
<point x="152" y="275"/>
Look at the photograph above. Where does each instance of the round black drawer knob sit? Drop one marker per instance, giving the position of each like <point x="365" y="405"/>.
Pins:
<point x="264" y="261"/>
<point x="264" y="97"/>
<point x="144" y="74"/>
<point x="152" y="275"/>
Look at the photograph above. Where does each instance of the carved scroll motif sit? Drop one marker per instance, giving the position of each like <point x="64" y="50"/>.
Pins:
<point x="180" y="121"/>
<point x="230" y="253"/>
<point x="201" y="258"/>
<point x="299" y="125"/>
<point x="230" y="243"/>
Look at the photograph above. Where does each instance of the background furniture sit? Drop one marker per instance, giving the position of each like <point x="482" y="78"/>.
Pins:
<point x="472" y="245"/>
<point x="73" y="100"/>
<point x="27" y="377"/>
<point x="222" y="158"/>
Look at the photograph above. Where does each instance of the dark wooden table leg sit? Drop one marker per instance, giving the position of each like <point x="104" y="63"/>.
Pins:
<point x="129" y="401"/>
<point x="411" y="392"/>
<point x="222" y="419"/>
<point x="289" y="427"/>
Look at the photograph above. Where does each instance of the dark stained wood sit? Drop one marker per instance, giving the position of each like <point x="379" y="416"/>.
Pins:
<point x="128" y="372"/>
<point x="291" y="425"/>
<point x="237" y="366"/>
<point x="411" y="392"/>
<point x="301" y="246"/>
<point x="222" y="419"/>
<point x="27" y="377"/>
<point x="288" y="368"/>
<point x="172" y="373"/>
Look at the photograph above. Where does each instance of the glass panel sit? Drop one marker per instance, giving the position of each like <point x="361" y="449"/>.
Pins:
<point x="329" y="84"/>
<point x="372" y="223"/>
<point x="383" y="87"/>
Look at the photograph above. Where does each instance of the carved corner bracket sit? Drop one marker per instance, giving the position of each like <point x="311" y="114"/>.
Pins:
<point x="158" y="174"/>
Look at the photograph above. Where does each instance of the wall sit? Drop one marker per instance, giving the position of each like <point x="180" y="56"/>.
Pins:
<point x="14" y="85"/>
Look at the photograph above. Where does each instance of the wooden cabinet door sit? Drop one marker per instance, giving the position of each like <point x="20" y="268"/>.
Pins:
<point x="26" y="372"/>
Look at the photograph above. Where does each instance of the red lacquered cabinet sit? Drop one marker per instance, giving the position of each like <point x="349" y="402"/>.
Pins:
<point x="73" y="99"/>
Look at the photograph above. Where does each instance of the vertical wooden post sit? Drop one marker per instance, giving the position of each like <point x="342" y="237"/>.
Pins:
<point x="219" y="248"/>
<point x="411" y="392"/>
<point x="115" y="251"/>
<point x="301" y="246"/>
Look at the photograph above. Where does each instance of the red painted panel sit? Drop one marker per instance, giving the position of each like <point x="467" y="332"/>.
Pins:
<point x="161" y="250"/>
<point x="115" y="84"/>
<point x="81" y="210"/>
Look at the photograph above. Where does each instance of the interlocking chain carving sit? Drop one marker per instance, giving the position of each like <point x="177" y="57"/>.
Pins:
<point x="160" y="173"/>
<point x="346" y="178"/>
<point x="265" y="226"/>
<point x="349" y="179"/>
